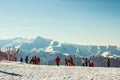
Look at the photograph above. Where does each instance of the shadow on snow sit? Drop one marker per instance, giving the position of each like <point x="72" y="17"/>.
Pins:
<point x="12" y="74"/>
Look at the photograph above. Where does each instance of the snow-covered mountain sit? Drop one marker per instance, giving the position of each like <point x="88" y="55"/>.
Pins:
<point x="48" y="49"/>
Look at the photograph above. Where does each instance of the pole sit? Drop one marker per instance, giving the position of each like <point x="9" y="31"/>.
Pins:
<point x="8" y="53"/>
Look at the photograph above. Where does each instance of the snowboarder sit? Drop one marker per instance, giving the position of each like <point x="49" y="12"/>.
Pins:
<point x="26" y="59"/>
<point x="21" y="59"/>
<point x="57" y="60"/>
<point x="108" y="62"/>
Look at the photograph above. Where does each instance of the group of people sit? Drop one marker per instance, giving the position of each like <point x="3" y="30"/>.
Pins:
<point x="34" y="60"/>
<point x="87" y="62"/>
<point x="68" y="62"/>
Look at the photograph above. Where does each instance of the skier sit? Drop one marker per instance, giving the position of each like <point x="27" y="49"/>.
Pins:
<point x="26" y="59"/>
<point x="21" y="59"/>
<point x="57" y="60"/>
<point x="108" y="62"/>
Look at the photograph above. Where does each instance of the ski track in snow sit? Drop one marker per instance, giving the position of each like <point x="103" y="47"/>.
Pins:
<point x="22" y="71"/>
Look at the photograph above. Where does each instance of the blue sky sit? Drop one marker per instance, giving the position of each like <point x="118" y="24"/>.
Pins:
<point x="95" y="22"/>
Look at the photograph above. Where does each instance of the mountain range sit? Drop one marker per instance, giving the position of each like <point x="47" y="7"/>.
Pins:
<point x="48" y="49"/>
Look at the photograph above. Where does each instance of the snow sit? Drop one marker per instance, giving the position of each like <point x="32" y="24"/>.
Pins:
<point x="105" y="54"/>
<point x="22" y="71"/>
<point x="108" y="54"/>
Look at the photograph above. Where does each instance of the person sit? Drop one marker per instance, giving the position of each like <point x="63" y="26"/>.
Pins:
<point x="66" y="62"/>
<point x="21" y="59"/>
<point x="32" y="60"/>
<point x="57" y="60"/>
<point x="26" y="59"/>
<point x="86" y="62"/>
<point x="35" y="61"/>
<point x="83" y="61"/>
<point x="71" y="61"/>
<point x="15" y="59"/>
<point x="38" y="60"/>
<point x="91" y="64"/>
<point x="108" y="62"/>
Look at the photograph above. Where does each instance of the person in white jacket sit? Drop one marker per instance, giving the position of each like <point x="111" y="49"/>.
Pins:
<point x="91" y="64"/>
<point x="83" y="61"/>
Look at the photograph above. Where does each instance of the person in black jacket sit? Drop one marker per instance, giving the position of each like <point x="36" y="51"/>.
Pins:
<point x="26" y="59"/>
<point x="21" y="59"/>
<point x="66" y="62"/>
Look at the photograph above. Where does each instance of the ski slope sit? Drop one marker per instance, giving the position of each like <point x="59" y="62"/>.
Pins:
<point x="22" y="71"/>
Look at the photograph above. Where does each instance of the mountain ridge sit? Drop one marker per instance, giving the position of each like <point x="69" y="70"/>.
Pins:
<point x="39" y="44"/>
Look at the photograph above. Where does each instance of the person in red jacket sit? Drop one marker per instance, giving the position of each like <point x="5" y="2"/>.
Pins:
<point x="70" y="62"/>
<point x="15" y="59"/>
<point x="35" y="60"/>
<point x="57" y="60"/>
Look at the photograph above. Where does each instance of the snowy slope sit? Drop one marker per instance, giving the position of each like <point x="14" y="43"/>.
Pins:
<point x="18" y="71"/>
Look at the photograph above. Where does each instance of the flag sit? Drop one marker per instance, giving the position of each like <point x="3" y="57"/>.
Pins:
<point x="8" y="53"/>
